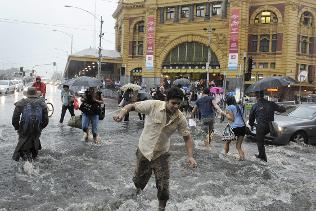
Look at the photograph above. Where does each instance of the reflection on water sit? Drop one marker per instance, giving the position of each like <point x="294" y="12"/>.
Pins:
<point x="16" y="96"/>
<point x="2" y="100"/>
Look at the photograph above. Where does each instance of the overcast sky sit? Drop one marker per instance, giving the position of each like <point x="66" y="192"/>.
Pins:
<point x="27" y="39"/>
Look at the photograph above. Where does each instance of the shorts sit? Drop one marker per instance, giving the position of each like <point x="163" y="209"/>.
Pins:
<point x="160" y="167"/>
<point x="239" y="131"/>
<point x="207" y="125"/>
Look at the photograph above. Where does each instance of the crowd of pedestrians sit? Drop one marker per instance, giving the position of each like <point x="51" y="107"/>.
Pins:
<point x="162" y="117"/>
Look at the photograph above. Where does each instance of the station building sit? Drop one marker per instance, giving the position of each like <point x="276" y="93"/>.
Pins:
<point x="164" y="39"/>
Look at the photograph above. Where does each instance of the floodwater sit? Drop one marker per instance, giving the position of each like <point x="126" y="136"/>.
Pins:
<point x="73" y="175"/>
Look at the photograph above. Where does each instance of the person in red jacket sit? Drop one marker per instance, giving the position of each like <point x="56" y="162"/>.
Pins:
<point x="40" y="86"/>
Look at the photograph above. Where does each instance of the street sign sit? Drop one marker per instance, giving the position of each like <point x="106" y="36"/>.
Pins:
<point x="302" y="76"/>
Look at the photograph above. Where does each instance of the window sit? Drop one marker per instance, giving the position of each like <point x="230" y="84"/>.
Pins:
<point x="134" y="48"/>
<point x="304" y="44"/>
<point x="303" y="67"/>
<point x="185" y="12"/>
<point x="140" y="48"/>
<point x="140" y="27"/>
<point x="254" y="44"/>
<point x="254" y="66"/>
<point x="266" y="17"/>
<point x="274" y="42"/>
<point x="307" y="19"/>
<point x="217" y="9"/>
<point x="264" y="43"/>
<point x="170" y="13"/>
<point x="272" y="65"/>
<point x="200" y="10"/>
<point x="263" y="65"/>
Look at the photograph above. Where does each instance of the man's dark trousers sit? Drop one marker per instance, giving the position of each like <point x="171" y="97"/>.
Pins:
<point x="261" y="132"/>
<point x="63" y="112"/>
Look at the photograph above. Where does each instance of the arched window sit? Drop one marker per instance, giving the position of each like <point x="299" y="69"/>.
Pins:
<point x="307" y="19"/>
<point x="138" y="39"/>
<point x="264" y="43"/>
<point x="266" y="17"/>
<point x="190" y="54"/>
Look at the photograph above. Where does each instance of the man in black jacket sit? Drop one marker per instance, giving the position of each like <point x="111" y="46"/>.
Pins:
<point x="263" y="113"/>
<point x="30" y="117"/>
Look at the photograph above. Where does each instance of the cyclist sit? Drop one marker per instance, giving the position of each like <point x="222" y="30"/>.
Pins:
<point x="40" y="86"/>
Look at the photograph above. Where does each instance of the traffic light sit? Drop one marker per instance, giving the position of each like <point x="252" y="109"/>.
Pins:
<point x="54" y="63"/>
<point x="249" y="69"/>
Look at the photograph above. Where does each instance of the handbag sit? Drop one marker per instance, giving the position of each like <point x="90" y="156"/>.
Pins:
<point x="228" y="134"/>
<point x="75" y="121"/>
<point x="76" y="104"/>
<point x="102" y="112"/>
<point x="86" y="108"/>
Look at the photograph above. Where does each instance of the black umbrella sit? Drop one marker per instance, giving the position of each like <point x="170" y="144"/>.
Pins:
<point x="84" y="81"/>
<point x="271" y="82"/>
<point x="182" y="82"/>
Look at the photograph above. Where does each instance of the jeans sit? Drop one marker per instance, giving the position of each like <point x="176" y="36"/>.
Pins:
<point x="94" y="119"/>
<point x="63" y="112"/>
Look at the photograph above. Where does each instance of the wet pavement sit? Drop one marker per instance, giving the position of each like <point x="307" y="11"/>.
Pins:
<point x="73" y="175"/>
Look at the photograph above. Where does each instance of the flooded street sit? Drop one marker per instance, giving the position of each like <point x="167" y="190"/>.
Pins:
<point x="73" y="175"/>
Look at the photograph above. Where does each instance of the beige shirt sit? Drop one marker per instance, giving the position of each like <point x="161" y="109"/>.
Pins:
<point x="154" y="140"/>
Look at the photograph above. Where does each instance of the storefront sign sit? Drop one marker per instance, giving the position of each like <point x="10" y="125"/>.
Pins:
<point x="150" y="42"/>
<point x="234" y="37"/>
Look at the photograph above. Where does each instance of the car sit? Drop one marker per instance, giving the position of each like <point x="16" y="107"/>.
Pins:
<point x="6" y="86"/>
<point x="298" y="126"/>
<point x="18" y="85"/>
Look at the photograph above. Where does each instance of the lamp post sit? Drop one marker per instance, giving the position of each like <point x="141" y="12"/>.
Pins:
<point x="94" y="18"/>
<point x="69" y="35"/>
<point x="209" y="30"/>
<point x="100" y="37"/>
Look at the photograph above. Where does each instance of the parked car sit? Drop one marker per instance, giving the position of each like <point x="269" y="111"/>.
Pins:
<point x="299" y="126"/>
<point x="18" y="85"/>
<point x="6" y="87"/>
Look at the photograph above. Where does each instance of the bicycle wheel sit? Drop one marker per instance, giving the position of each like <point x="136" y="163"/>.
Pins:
<point x="50" y="109"/>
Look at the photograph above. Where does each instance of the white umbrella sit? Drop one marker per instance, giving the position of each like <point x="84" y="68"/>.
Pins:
<point x="134" y="87"/>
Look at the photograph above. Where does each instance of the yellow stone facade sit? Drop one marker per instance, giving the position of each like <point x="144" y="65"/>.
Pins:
<point x="285" y="30"/>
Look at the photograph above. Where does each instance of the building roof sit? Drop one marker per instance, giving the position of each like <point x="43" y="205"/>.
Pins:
<point x="112" y="54"/>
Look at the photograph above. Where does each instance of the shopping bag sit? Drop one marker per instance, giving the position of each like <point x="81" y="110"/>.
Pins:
<point x="102" y="112"/>
<point x="122" y="103"/>
<point x="75" y="121"/>
<point x="192" y="123"/>
<point x="76" y="104"/>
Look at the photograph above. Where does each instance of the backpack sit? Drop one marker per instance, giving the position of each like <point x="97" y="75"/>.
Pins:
<point x="31" y="120"/>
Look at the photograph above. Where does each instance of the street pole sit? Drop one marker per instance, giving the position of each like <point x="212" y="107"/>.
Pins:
<point x="209" y="59"/>
<point x="100" y="49"/>
<point x="242" y="91"/>
<point x="209" y="54"/>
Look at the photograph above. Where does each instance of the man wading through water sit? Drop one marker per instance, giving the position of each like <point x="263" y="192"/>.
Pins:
<point x="205" y="105"/>
<point x="163" y="118"/>
<point x="30" y="117"/>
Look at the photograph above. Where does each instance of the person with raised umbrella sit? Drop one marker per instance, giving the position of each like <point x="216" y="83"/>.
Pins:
<point x="263" y="113"/>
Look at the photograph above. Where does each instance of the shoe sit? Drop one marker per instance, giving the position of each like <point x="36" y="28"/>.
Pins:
<point x="97" y="140"/>
<point x="262" y="158"/>
<point x="85" y="137"/>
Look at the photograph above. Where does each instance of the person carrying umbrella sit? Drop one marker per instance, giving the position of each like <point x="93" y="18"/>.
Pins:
<point x="263" y="113"/>
<point x="90" y="107"/>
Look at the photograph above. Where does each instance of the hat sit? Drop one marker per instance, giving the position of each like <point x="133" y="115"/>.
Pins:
<point x="31" y="92"/>
<point x="38" y="78"/>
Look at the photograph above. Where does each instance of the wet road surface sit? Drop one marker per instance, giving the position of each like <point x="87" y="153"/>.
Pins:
<point x="73" y="175"/>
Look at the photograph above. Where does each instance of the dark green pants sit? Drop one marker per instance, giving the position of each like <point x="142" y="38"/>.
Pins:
<point x="161" y="169"/>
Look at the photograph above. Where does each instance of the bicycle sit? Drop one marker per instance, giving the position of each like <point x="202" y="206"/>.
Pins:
<point x="50" y="108"/>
